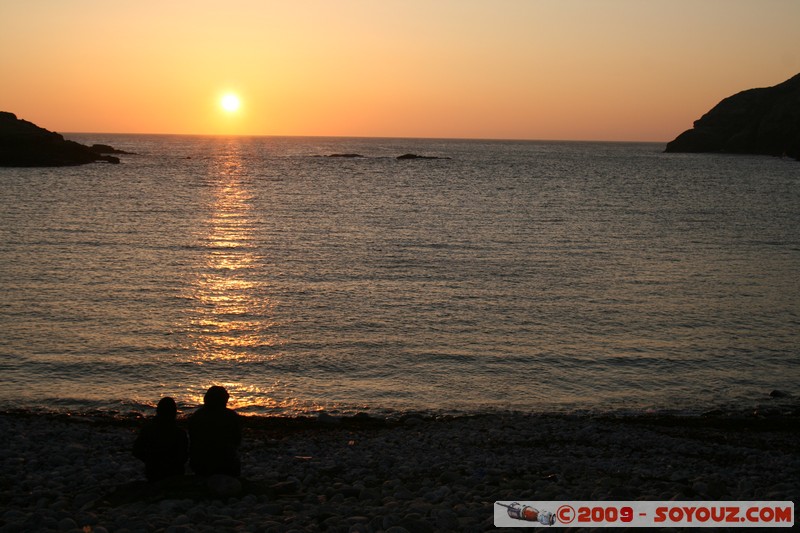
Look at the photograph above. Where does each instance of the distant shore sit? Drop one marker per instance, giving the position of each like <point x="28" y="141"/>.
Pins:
<point x="415" y="473"/>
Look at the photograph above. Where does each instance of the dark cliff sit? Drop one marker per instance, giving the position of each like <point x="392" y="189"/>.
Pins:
<point x="24" y="144"/>
<point x="757" y="121"/>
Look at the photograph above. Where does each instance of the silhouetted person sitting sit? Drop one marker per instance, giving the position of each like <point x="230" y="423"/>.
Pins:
<point x="215" y="433"/>
<point x="161" y="444"/>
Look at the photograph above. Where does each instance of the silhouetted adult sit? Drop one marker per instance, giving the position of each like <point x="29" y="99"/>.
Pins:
<point x="161" y="444"/>
<point x="215" y="433"/>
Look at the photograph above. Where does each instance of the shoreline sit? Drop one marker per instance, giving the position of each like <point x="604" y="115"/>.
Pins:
<point x="775" y="403"/>
<point x="361" y="473"/>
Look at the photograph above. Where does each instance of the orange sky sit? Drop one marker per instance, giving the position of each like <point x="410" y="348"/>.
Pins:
<point x="521" y="69"/>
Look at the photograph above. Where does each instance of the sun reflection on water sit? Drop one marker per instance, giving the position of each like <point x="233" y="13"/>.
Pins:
<point x="247" y="398"/>
<point x="232" y="318"/>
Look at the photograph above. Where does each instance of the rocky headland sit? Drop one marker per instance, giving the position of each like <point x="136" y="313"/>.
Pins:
<point x="24" y="144"/>
<point x="762" y="121"/>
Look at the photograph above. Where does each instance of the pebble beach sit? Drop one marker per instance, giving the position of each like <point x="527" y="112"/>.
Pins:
<point x="414" y="473"/>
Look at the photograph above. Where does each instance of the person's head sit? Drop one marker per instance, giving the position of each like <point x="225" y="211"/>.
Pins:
<point x="216" y="396"/>
<point x="166" y="408"/>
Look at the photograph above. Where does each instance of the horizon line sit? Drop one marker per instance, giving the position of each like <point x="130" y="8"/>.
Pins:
<point x="388" y="137"/>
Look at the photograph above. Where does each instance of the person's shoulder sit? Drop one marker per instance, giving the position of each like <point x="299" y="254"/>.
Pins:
<point x="232" y="417"/>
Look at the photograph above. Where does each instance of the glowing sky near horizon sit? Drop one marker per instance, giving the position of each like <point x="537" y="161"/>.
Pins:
<point x="509" y="69"/>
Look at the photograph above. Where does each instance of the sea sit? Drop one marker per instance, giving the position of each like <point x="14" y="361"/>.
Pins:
<point x="496" y="276"/>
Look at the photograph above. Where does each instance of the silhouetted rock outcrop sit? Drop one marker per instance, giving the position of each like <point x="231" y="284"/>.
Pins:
<point x="24" y="144"/>
<point x="757" y="121"/>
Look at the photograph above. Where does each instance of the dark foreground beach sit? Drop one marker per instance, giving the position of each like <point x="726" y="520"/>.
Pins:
<point x="415" y="474"/>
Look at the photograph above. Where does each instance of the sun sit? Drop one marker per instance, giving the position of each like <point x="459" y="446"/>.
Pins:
<point x="230" y="102"/>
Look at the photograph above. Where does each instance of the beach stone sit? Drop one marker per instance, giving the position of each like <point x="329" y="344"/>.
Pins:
<point x="358" y="524"/>
<point x="67" y="524"/>
<point x="180" y="529"/>
<point x="717" y="489"/>
<point x="271" y="509"/>
<point x="700" y="487"/>
<point x="169" y="506"/>
<point x="390" y="520"/>
<point x="227" y="522"/>
<point x="223" y="486"/>
<point x="403" y="494"/>
<point x="396" y="529"/>
<point x="781" y="491"/>
<point x="369" y="495"/>
<point x="446" y="519"/>
<point x="437" y="495"/>
<point x="620" y="494"/>
<point x="84" y="499"/>
<point x="270" y="526"/>
<point x="285" y="487"/>
<point x="196" y="514"/>
<point x="86" y="519"/>
<point x="449" y="476"/>
<point x="14" y="516"/>
<point x="350" y="492"/>
<point x="417" y="525"/>
<point x="48" y="522"/>
<point x="413" y="421"/>
<point x="333" y="523"/>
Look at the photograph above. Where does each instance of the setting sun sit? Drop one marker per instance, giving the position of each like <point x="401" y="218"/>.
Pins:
<point x="230" y="102"/>
<point x="548" y="69"/>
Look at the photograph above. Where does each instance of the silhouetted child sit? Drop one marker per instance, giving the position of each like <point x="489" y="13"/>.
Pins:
<point x="215" y="433"/>
<point x="161" y="444"/>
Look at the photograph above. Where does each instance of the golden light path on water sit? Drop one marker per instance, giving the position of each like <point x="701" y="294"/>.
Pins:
<point x="232" y="316"/>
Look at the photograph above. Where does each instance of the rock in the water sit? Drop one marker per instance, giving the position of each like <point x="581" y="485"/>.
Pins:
<point x="24" y="144"/>
<point x="415" y="156"/>
<point x="757" y="121"/>
<point x="346" y="155"/>
<point x="106" y="149"/>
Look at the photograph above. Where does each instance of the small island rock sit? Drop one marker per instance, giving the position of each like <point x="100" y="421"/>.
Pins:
<point x="415" y="156"/>
<point x="106" y="149"/>
<point x="756" y="121"/>
<point x="24" y="144"/>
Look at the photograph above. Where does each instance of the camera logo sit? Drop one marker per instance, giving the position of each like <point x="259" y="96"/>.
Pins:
<point x="529" y="514"/>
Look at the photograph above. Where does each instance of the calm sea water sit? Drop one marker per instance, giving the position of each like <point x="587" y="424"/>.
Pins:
<point x="514" y="275"/>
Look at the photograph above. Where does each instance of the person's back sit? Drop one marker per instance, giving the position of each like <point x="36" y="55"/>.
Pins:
<point x="215" y="433"/>
<point x="161" y="444"/>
